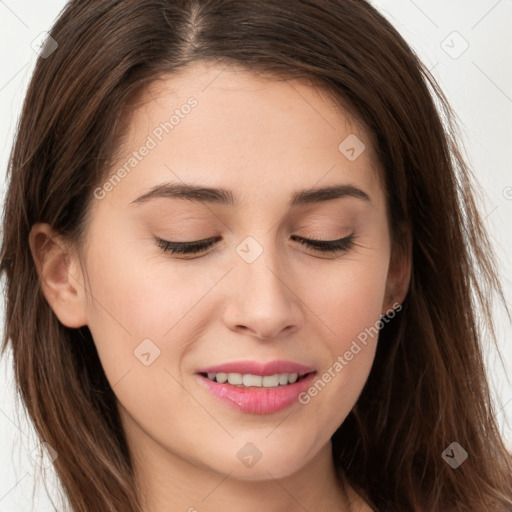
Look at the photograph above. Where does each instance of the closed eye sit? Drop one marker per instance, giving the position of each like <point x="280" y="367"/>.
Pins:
<point x="339" y="245"/>
<point x="186" y="247"/>
<point x="197" y="246"/>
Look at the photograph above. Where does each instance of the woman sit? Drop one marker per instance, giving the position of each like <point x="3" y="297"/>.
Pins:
<point x="241" y="253"/>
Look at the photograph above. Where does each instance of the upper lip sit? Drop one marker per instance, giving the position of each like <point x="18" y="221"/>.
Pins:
<point x="259" y="368"/>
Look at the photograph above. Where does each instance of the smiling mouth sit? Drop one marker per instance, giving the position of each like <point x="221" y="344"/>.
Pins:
<point x="246" y="380"/>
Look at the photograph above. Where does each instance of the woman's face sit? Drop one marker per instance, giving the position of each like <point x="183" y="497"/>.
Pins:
<point x="257" y="295"/>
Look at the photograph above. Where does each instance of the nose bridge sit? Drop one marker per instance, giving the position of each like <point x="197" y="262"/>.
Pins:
<point x="263" y="301"/>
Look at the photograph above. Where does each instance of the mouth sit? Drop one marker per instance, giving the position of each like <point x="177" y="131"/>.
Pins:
<point x="248" y="380"/>
<point x="257" y="388"/>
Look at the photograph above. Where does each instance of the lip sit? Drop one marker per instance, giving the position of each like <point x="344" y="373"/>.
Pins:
<point x="257" y="400"/>
<point x="254" y="400"/>
<point x="257" y="368"/>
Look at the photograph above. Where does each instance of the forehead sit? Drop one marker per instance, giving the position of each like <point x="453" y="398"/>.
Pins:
<point x="227" y="127"/>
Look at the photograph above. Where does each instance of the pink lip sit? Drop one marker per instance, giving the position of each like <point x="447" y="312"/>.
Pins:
<point x="256" y="368"/>
<point x="254" y="400"/>
<point x="258" y="400"/>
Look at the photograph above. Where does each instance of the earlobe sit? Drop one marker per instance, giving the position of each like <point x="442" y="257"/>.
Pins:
<point x="60" y="275"/>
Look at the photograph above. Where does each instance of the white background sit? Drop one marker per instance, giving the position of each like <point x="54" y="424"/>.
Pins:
<point x="478" y="83"/>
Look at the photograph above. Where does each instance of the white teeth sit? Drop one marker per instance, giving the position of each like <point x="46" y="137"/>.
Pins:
<point x="257" y="381"/>
<point x="271" y="381"/>
<point x="252" y="380"/>
<point x="235" y="378"/>
<point x="221" y="377"/>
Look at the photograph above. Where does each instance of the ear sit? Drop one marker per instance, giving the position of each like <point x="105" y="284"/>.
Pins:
<point x="61" y="275"/>
<point x="399" y="271"/>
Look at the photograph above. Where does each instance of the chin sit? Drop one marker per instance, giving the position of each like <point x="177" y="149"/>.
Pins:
<point x="267" y="463"/>
<point x="259" y="472"/>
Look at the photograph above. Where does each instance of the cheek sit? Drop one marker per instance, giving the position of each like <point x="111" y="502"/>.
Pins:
<point x="347" y="305"/>
<point x="129" y="304"/>
<point x="142" y="325"/>
<point x="349" y="299"/>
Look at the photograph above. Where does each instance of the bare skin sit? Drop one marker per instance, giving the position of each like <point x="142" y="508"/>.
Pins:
<point x="263" y="140"/>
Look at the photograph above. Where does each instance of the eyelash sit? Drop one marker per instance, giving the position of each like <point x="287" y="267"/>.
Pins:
<point x="323" y="246"/>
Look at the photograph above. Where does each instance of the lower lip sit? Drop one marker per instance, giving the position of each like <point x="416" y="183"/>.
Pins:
<point x="258" y="400"/>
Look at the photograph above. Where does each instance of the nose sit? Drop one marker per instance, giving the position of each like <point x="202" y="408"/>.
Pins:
<point x="263" y="299"/>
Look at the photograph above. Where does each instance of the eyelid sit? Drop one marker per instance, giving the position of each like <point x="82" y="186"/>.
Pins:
<point x="196" y="246"/>
<point x="328" y="246"/>
<point x="186" y="247"/>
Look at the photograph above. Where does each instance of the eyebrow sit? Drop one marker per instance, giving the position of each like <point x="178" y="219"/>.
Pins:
<point x="226" y="197"/>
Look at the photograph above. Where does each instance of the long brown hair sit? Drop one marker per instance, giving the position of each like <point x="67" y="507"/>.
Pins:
<point x="427" y="387"/>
